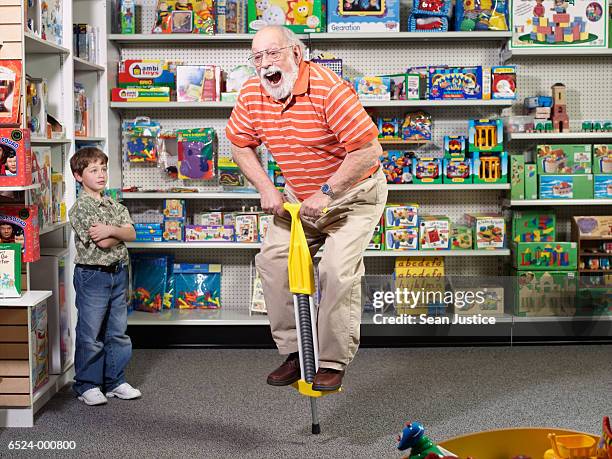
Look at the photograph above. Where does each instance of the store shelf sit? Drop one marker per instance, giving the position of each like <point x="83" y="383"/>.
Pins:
<point x="28" y="299"/>
<point x="402" y="142"/>
<point x="436" y="253"/>
<point x="449" y="187"/>
<point x="204" y="195"/>
<point x="81" y="65"/>
<point x="54" y="251"/>
<point x="194" y="245"/>
<point x="46" y="388"/>
<point x="560" y="135"/>
<point x="409" y="36"/>
<point x="55" y="226"/>
<point x="36" y="45"/>
<point x="437" y="103"/>
<point x="90" y="139"/>
<point x="34" y="186"/>
<point x="141" y="105"/>
<point x="562" y="319"/>
<point x="559" y="202"/>
<point x="593" y="271"/>
<point x="197" y="317"/>
<point x="168" y="39"/>
<point x="595" y="254"/>
<point x="557" y="52"/>
<point x="43" y="141"/>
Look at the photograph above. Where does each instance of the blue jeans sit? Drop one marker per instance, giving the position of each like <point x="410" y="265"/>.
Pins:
<point x="103" y="350"/>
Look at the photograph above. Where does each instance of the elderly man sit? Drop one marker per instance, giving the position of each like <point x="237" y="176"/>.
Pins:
<point x="326" y="145"/>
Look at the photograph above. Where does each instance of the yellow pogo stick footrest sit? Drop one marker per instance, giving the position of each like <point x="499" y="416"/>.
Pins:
<point x="305" y="388"/>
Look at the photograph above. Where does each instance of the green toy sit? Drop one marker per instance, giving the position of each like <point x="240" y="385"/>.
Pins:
<point x="413" y="437"/>
<point x="531" y="181"/>
<point x="517" y="177"/>
<point x="545" y="256"/>
<point x="533" y="227"/>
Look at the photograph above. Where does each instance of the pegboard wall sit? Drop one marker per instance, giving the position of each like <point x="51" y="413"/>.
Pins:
<point x="589" y="97"/>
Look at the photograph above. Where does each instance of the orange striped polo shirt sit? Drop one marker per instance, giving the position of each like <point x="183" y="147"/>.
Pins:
<point x="309" y="134"/>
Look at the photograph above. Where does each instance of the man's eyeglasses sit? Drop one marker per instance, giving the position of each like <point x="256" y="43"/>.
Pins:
<point x="272" y="54"/>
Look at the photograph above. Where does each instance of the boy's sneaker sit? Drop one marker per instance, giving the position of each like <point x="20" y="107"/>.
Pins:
<point x="93" y="397"/>
<point x="124" y="391"/>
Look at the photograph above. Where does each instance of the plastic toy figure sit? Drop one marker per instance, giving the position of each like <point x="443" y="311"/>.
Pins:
<point x="413" y="437"/>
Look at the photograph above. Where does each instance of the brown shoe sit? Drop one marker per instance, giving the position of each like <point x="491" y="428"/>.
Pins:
<point x="327" y="379"/>
<point x="287" y="373"/>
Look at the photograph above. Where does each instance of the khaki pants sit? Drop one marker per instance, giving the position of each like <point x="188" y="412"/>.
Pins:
<point x="346" y="230"/>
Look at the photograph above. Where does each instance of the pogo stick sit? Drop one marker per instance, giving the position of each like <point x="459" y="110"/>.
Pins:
<point x="301" y="284"/>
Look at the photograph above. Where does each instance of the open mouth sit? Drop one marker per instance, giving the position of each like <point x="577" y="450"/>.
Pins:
<point x="274" y="77"/>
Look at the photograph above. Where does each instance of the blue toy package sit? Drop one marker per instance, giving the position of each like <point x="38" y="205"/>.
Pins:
<point x="432" y="7"/>
<point x="420" y="23"/>
<point x="197" y="286"/>
<point x="479" y="15"/>
<point x="149" y="281"/>
<point x="354" y="16"/>
<point x="455" y="83"/>
<point x="140" y="138"/>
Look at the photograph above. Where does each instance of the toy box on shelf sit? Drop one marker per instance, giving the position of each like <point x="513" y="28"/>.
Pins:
<point x="41" y="174"/>
<point x="10" y="270"/>
<point x="81" y="111"/>
<point x="146" y="72"/>
<point x="401" y="238"/>
<point x="397" y="166"/>
<point x="427" y="170"/>
<point x="19" y="224"/>
<point x="209" y="233"/>
<point x="362" y="16"/>
<point x="419" y="274"/>
<point x="141" y="94"/>
<point x="602" y="186"/>
<point x="301" y="16"/>
<point x="545" y="293"/>
<point x="378" y="237"/>
<point x="263" y="222"/>
<point x="473" y="15"/>
<point x="455" y="82"/>
<point x="417" y="126"/>
<point x="196" y="148"/>
<point x="16" y="159"/>
<point x="564" y="159"/>
<point x="148" y="232"/>
<point x="490" y="167"/>
<point x="140" y="140"/>
<point x="150" y="275"/>
<point x="127" y="16"/>
<point x="531" y="181"/>
<point x="559" y="24"/>
<point x="51" y="21"/>
<point x="517" y="177"/>
<point x="489" y="230"/>
<point x="602" y="159"/>
<point x="461" y="238"/>
<point x="36" y="106"/>
<point x="373" y="87"/>
<point x="39" y="339"/>
<point x="503" y="82"/>
<point x="566" y="186"/>
<point x="185" y="16"/>
<point x="198" y="83"/>
<point x="533" y="227"/>
<point x="490" y="297"/>
<point x="231" y="16"/>
<point x="434" y="232"/>
<point x="420" y="23"/>
<point x="457" y="170"/>
<point x="545" y="256"/>
<point x="401" y="216"/>
<point x="486" y="135"/>
<point x="197" y="286"/>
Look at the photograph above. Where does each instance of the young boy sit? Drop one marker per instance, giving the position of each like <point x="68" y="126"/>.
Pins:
<point x="100" y="226"/>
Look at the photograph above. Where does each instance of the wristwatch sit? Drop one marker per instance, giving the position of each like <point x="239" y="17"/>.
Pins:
<point x="326" y="189"/>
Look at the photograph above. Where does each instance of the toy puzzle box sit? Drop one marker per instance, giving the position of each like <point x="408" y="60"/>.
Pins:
<point x="560" y="24"/>
<point x="301" y="16"/>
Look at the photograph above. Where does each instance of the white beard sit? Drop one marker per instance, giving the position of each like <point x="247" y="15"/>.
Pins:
<point x="288" y="80"/>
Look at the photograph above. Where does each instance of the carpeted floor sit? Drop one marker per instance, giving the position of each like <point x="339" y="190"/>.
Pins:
<point x="215" y="403"/>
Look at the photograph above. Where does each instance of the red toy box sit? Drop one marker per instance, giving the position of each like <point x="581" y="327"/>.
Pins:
<point x="10" y="92"/>
<point x="15" y="157"/>
<point x="19" y="224"/>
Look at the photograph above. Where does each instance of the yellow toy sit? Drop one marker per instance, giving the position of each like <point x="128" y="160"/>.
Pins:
<point x="301" y="11"/>
<point x="576" y="446"/>
<point x="301" y="284"/>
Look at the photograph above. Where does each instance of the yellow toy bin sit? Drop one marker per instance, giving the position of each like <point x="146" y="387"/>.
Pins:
<point x="507" y="443"/>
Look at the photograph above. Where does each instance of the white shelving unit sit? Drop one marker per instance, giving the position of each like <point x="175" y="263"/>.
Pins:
<point x="410" y="36"/>
<point x="206" y="195"/>
<point x="81" y="65"/>
<point x="40" y="141"/>
<point x="586" y="136"/>
<point x="559" y="202"/>
<point x="450" y="187"/>
<point x="88" y="139"/>
<point x="36" y="45"/>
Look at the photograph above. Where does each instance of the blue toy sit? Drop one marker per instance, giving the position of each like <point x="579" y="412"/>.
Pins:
<point x="149" y="282"/>
<point x="363" y="16"/>
<point x="432" y="7"/>
<point x="413" y="437"/>
<point x="197" y="286"/>
<point x="455" y="82"/>
<point x="477" y="15"/>
<point x="389" y="128"/>
<point x="416" y="126"/>
<point x="140" y="138"/>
